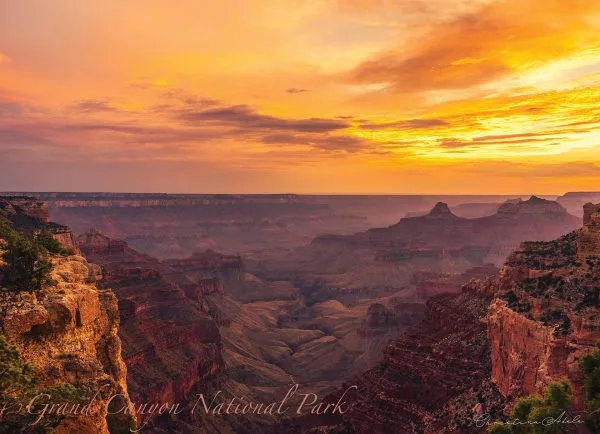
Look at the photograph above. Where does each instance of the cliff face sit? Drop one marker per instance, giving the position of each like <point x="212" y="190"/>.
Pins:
<point x="68" y="331"/>
<point x="432" y="378"/>
<point x="501" y="338"/>
<point x="545" y="315"/>
<point x="526" y="354"/>
<point x="588" y="242"/>
<point x="170" y="343"/>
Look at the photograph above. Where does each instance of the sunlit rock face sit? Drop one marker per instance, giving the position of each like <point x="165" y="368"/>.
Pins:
<point x="544" y="318"/>
<point x="68" y="330"/>
<point x="588" y="243"/>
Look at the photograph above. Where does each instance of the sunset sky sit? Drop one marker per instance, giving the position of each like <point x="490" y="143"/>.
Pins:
<point x="306" y="96"/>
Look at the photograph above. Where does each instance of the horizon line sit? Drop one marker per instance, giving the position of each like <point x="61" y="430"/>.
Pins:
<point x="25" y="192"/>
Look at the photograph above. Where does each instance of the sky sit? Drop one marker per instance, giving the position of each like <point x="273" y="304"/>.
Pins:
<point x="304" y="96"/>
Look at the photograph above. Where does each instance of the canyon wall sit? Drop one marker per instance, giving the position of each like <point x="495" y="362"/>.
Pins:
<point x="68" y="332"/>
<point x="170" y="343"/>
<point x="544" y="319"/>
<point x="476" y="352"/>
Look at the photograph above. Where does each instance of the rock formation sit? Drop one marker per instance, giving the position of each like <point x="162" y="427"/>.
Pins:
<point x="385" y="258"/>
<point x="588" y="242"/>
<point x="68" y="331"/>
<point x="545" y="315"/>
<point x="171" y="344"/>
<point x="431" y="378"/>
<point x="575" y="200"/>
<point x="501" y="338"/>
<point x="32" y="218"/>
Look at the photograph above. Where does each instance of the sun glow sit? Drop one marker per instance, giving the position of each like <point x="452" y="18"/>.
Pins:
<point x="273" y="92"/>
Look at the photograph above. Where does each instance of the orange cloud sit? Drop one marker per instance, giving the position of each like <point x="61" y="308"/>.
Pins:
<point x="335" y="95"/>
<point x="500" y="39"/>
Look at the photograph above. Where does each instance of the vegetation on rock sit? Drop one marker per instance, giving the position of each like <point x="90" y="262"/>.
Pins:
<point x="19" y="384"/>
<point x="591" y="368"/>
<point x="530" y="412"/>
<point x="46" y="241"/>
<point x="25" y="264"/>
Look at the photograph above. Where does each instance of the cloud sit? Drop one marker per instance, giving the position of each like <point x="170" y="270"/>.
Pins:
<point x="453" y="143"/>
<point x="93" y="105"/>
<point x="560" y="171"/>
<point x="4" y="58"/>
<point x="484" y="45"/>
<point x="10" y="109"/>
<point x="243" y="117"/>
<point x="410" y="124"/>
<point x="188" y="98"/>
<point x="192" y="125"/>
<point x="506" y="139"/>
<point x="296" y="90"/>
<point x="526" y="136"/>
<point x="323" y="142"/>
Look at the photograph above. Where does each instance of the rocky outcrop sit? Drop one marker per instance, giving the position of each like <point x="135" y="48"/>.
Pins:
<point x="544" y="319"/>
<point x="380" y="318"/>
<point x="527" y="355"/>
<point x="208" y="261"/>
<point x="69" y="332"/>
<point x="500" y="338"/>
<point x="429" y="284"/>
<point x="588" y="242"/>
<point x="439" y="241"/>
<point x="31" y="217"/>
<point x="175" y="226"/>
<point x="170" y="343"/>
<point x="575" y="200"/>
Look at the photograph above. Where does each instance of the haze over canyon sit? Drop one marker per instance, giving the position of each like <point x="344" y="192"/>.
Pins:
<point x="454" y="310"/>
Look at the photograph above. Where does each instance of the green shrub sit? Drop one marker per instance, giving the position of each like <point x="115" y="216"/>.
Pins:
<point x="7" y="231"/>
<point x="27" y="267"/>
<point x="591" y="368"/>
<point x="531" y="410"/>
<point x="46" y="241"/>
<point x="19" y="383"/>
<point x="15" y="376"/>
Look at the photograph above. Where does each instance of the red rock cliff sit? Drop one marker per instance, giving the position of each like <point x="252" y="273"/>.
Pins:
<point x="170" y="345"/>
<point x="68" y="330"/>
<point x="545" y="317"/>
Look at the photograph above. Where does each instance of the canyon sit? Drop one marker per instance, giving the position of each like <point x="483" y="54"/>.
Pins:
<point x="384" y="260"/>
<point x="477" y="351"/>
<point x="254" y="226"/>
<point x="190" y="324"/>
<point x="436" y="318"/>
